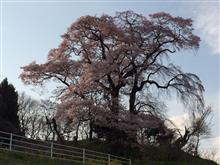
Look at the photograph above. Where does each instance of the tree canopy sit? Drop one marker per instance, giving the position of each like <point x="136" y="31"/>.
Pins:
<point x="9" y="120"/>
<point x="111" y="70"/>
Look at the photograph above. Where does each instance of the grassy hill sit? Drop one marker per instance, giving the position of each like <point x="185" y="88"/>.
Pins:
<point x="13" y="158"/>
<point x="101" y="146"/>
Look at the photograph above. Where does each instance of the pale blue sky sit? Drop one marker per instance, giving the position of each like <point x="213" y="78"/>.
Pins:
<point x="30" y="30"/>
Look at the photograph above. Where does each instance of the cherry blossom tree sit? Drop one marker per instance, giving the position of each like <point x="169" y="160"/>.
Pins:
<point x="111" y="70"/>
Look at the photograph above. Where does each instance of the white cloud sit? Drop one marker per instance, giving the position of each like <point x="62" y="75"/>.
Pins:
<point x="217" y="141"/>
<point x="211" y="142"/>
<point x="210" y="148"/>
<point x="180" y="121"/>
<point x="207" y="21"/>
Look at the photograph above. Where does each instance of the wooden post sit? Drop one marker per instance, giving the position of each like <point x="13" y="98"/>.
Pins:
<point x="51" y="150"/>
<point x="109" y="159"/>
<point x="10" y="145"/>
<point x="84" y="156"/>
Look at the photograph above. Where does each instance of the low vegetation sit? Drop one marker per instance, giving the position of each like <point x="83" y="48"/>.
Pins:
<point x="13" y="158"/>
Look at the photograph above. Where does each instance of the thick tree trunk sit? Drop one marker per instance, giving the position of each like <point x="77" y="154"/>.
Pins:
<point x="115" y="101"/>
<point x="197" y="146"/>
<point x="132" y="98"/>
<point x="91" y="130"/>
<point x="182" y="141"/>
<point x="77" y="132"/>
<point x="132" y="102"/>
<point x="59" y="136"/>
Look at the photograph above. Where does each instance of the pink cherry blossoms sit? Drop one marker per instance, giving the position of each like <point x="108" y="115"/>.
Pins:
<point x="111" y="70"/>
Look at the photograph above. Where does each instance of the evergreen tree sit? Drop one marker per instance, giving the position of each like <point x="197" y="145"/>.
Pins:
<point x="9" y="120"/>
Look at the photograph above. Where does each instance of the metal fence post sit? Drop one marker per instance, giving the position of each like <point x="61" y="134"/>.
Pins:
<point x="10" y="145"/>
<point x="129" y="161"/>
<point x="109" y="159"/>
<point x="51" y="150"/>
<point x="84" y="156"/>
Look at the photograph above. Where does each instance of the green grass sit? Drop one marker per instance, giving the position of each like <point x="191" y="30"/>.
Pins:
<point x="104" y="147"/>
<point x="195" y="162"/>
<point x="15" y="158"/>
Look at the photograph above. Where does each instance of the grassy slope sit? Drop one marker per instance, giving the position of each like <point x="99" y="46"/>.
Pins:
<point x="103" y="147"/>
<point x="12" y="158"/>
<point x="195" y="162"/>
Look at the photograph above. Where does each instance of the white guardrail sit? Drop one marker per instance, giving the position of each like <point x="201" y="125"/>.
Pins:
<point x="13" y="142"/>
